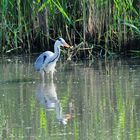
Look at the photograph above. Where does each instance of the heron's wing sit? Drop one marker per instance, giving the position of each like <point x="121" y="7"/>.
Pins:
<point x="44" y="57"/>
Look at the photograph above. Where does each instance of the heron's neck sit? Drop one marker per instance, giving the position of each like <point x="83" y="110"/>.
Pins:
<point x="56" y="50"/>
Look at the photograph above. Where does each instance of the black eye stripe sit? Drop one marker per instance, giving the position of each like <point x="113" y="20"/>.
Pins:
<point x="59" y="39"/>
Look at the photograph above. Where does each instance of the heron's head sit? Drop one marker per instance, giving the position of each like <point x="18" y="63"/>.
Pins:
<point x="63" y="43"/>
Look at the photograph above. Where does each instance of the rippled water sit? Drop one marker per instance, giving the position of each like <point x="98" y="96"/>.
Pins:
<point x="86" y="101"/>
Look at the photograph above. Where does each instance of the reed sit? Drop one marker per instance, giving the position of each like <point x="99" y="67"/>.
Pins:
<point x="28" y="26"/>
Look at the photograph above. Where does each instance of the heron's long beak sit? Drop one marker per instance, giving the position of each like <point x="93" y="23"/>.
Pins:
<point x="66" y="45"/>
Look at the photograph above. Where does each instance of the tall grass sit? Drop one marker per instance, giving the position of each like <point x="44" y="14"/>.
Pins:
<point x="28" y="26"/>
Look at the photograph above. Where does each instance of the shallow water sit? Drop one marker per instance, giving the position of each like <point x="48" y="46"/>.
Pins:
<point x="86" y="101"/>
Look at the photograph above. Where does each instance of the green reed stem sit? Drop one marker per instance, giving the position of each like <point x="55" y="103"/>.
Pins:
<point x="30" y="24"/>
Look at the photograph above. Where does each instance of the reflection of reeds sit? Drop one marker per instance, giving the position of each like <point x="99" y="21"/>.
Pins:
<point x="109" y="103"/>
<point x="27" y="26"/>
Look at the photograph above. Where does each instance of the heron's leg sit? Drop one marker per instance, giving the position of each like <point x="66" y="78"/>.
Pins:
<point x="52" y="75"/>
<point x="43" y="76"/>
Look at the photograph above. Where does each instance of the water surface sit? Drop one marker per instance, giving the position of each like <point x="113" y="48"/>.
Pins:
<point x="91" y="100"/>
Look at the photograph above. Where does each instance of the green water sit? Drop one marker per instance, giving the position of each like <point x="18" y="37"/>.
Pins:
<point x="86" y="101"/>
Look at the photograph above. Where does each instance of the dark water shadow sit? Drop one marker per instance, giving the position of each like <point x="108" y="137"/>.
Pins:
<point x="14" y="81"/>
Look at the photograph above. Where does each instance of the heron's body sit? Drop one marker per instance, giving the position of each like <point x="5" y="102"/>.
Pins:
<point x="46" y="62"/>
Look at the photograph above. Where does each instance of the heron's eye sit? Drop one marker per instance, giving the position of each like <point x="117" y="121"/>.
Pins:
<point x="60" y="39"/>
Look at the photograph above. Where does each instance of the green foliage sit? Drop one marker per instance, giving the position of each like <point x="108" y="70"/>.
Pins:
<point x="27" y="26"/>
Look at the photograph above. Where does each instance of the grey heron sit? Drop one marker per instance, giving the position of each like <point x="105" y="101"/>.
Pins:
<point x="46" y="61"/>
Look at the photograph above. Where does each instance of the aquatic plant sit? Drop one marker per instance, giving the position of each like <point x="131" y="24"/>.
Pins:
<point x="102" y="25"/>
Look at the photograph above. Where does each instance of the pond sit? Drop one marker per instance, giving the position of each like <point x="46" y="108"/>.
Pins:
<point x="87" y="100"/>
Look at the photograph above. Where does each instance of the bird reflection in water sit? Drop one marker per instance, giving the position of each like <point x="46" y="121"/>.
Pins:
<point x="47" y="96"/>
